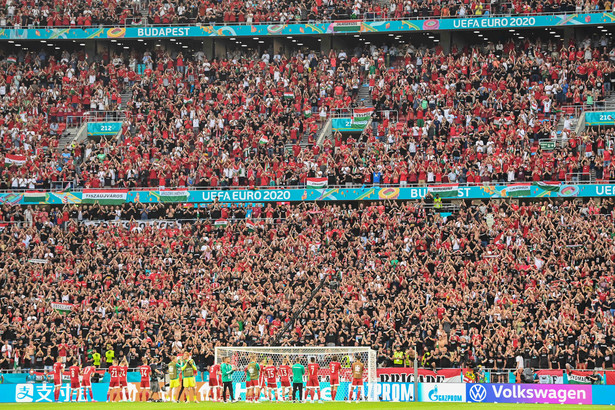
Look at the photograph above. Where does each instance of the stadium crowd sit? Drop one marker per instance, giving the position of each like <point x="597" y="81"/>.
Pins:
<point x="491" y="281"/>
<point x="475" y="114"/>
<point x="47" y="13"/>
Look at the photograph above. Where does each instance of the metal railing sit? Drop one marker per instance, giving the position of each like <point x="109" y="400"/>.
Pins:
<point x="366" y="18"/>
<point x="302" y="186"/>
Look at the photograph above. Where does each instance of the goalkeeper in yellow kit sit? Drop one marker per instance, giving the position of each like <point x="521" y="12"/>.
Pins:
<point x="188" y="375"/>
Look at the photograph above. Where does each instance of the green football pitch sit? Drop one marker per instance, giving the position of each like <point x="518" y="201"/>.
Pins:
<point x="303" y="406"/>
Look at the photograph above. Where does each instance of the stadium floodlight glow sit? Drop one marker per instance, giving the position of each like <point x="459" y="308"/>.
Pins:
<point x="600" y="27"/>
<point x="82" y="44"/>
<point x="57" y="48"/>
<point x="49" y="45"/>
<point x="254" y="38"/>
<point x="551" y="32"/>
<point x="140" y="40"/>
<point x="244" y="45"/>
<point x="556" y="36"/>
<point x="42" y="41"/>
<point x="436" y="40"/>
<point x="320" y="39"/>
<point x="173" y="39"/>
<point x="476" y="31"/>
<point x="604" y="30"/>
<point x="261" y="42"/>
<point x="184" y="46"/>
<point x="356" y="35"/>
<point x="391" y="35"/>
<point x="114" y="41"/>
<point x="289" y="37"/>
<point x="512" y="30"/>
<point x="17" y="45"/>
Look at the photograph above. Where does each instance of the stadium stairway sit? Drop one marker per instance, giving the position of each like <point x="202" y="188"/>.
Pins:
<point x="67" y="137"/>
<point x="365" y="96"/>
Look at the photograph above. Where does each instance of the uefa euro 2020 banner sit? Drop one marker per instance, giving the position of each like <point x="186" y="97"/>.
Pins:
<point x="344" y="26"/>
<point x="182" y="195"/>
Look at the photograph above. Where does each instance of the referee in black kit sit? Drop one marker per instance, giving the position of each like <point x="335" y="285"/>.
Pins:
<point x="298" y="373"/>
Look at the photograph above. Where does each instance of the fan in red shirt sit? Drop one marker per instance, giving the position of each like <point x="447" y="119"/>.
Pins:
<point x="58" y="369"/>
<point x="114" y="384"/>
<point x="312" y="383"/>
<point x="271" y="374"/>
<point x="215" y="382"/>
<point x="74" y="380"/>
<point x="124" y="379"/>
<point x="285" y="371"/>
<point x="334" y="376"/>
<point x="86" y="381"/>
<point x="145" y="372"/>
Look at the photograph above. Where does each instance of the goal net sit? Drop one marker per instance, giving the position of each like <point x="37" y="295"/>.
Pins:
<point x="240" y="357"/>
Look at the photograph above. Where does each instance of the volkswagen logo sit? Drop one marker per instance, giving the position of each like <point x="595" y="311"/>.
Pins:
<point x="478" y="392"/>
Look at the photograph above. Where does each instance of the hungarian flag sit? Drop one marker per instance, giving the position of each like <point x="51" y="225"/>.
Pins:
<point x="15" y="159"/>
<point x="316" y="183"/>
<point x="263" y="140"/>
<point x="104" y="196"/>
<point x="445" y="190"/>
<point x="173" y="195"/>
<point x="11" y="59"/>
<point x="250" y="225"/>
<point x="548" y="186"/>
<point x="360" y="117"/>
<point x="62" y="308"/>
<point x="347" y="26"/>
<point x="187" y="100"/>
<point x="579" y="377"/>
<point x="34" y="197"/>
<point x="221" y="222"/>
<point x="289" y="95"/>
<point x="518" y="190"/>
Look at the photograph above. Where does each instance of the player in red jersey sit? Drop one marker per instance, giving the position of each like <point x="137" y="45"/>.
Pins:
<point x="58" y="369"/>
<point x="285" y="372"/>
<point x="215" y="382"/>
<point x="334" y="376"/>
<point x="114" y="384"/>
<point x="261" y="383"/>
<point x="145" y="372"/>
<point x="124" y="379"/>
<point x="312" y="383"/>
<point x="86" y="381"/>
<point x="74" y="380"/>
<point x="271" y="375"/>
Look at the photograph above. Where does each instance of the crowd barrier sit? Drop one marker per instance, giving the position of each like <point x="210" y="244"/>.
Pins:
<point x="385" y="391"/>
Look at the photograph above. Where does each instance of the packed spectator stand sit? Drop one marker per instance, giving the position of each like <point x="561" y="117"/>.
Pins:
<point x="253" y="119"/>
<point x="489" y="282"/>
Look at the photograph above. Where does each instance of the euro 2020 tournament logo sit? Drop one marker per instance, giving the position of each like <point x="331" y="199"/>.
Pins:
<point x="477" y="392"/>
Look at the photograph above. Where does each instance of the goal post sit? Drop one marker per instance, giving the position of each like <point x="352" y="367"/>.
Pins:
<point x="240" y="357"/>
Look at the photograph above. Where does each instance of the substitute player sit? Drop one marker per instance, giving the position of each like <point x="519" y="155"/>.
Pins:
<point x="74" y="380"/>
<point x="271" y="376"/>
<point x="188" y="376"/>
<point x="357" y="379"/>
<point x="58" y="369"/>
<point x="313" y="383"/>
<point x="145" y="372"/>
<point x="173" y="377"/>
<point x="86" y="382"/>
<point x="114" y="384"/>
<point x="334" y="376"/>
<point x="252" y="375"/>
<point x="215" y="383"/>
<point x="285" y="371"/>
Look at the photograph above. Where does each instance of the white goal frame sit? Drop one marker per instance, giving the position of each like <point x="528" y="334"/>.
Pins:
<point x="370" y="376"/>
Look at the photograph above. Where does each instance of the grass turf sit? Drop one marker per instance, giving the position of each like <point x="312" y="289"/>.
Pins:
<point x="303" y="406"/>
